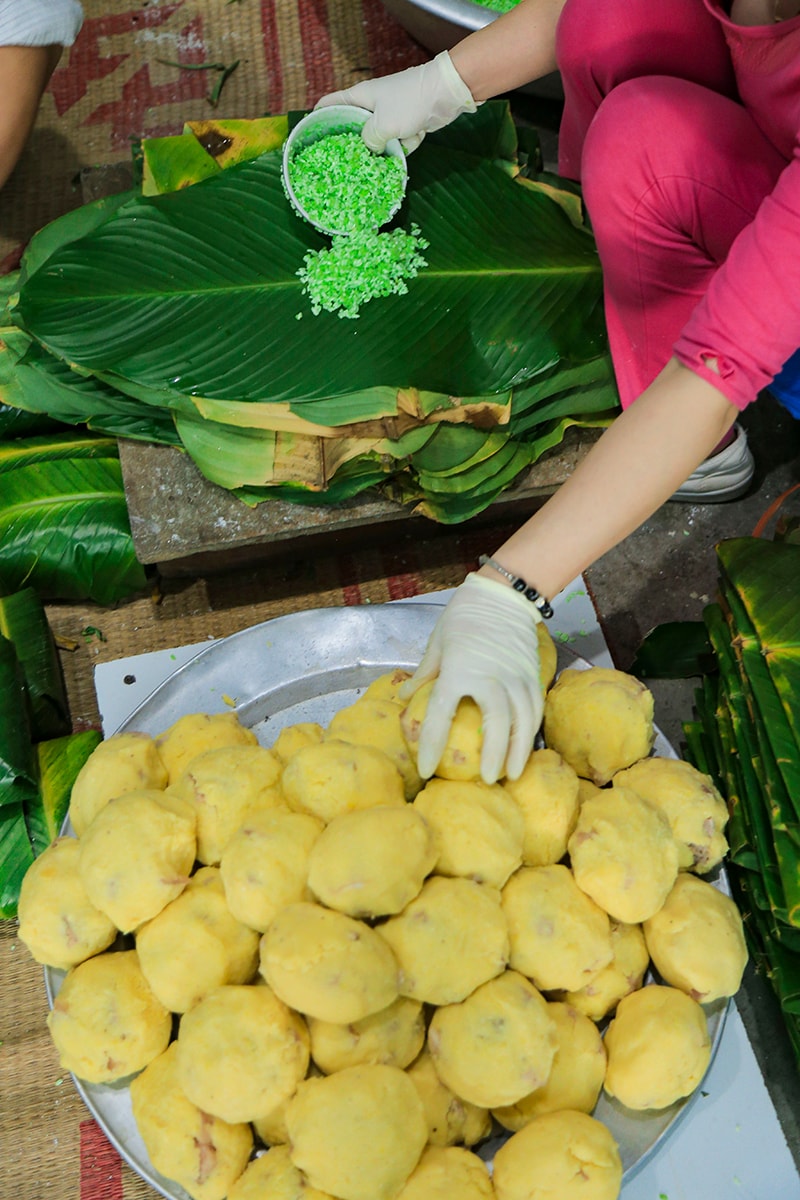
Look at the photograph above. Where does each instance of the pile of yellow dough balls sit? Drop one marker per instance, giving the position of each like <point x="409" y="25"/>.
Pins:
<point x="326" y="978"/>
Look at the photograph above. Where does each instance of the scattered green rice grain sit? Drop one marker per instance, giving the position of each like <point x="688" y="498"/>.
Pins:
<point x="360" y="268"/>
<point x="499" y="6"/>
<point x="343" y="186"/>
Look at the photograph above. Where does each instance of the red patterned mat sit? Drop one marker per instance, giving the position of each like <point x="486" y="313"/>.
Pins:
<point x="134" y="72"/>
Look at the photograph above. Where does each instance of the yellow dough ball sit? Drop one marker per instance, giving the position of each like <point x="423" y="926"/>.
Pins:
<point x="241" y="1052"/>
<point x="359" y="1133"/>
<point x="576" y="1077"/>
<point x="327" y="965"/>
<point x="449" y="940"/>
<point x="600" y="720"/>
<point x="57" y="920"/>
<point x="273" y="1176"/>
<point x="197" y="732"/>
<point x="224" y="787"/>
<point x="559" y="1156"/>
<point x="586" y="790"/>
<point x="658" y="1048"/>
<point x="136" y="856"/>
<point x="548" y="656"/>
<point x="373" y="861"/>
<point x="451" y="1120"/>
<point x="195" y="944"/>
<point x="125" y="762"/>
<point x="497" y="1045"/>
<point x="393" y="1037"/>
<point x="264" y="866"/>
<point x="691" y="803"/>
<point x="105" y="1021"/>
<point x="479" y="829"/>
<point x="445" y="1172"/>
<point x="461" y="757"/>
<point x="334" y="777"/>
<point x="387" y="686"/>
<point x="559" y="937"/>
<point x="624" y="974"/>
<point x="696" y="940"/>
<point x="547" y="795"/>
<point x="294" y="737"/>
<point x="375" y="722"/>
<point x="623" y="854"/>
<point x="271" y="1126"/>
<point x="202" y="1153"/>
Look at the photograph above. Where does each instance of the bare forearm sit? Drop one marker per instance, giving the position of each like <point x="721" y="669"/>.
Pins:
<point x="24" y="72"/>
<point x="635" y="466"/>
<point x="515" y="49"/>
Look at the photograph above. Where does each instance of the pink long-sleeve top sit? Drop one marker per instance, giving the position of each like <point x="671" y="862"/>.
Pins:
<point x="749" y="320"/>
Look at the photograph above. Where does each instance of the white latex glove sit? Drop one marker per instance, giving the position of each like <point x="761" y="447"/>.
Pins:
<point x="485" y="646"/>
<point x="409" y="104"/>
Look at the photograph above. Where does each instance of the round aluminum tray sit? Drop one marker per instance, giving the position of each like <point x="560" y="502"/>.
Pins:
<point x="304" y="667"/>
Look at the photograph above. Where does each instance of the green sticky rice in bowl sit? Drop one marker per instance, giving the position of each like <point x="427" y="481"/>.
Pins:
<point x="334" y="181"/>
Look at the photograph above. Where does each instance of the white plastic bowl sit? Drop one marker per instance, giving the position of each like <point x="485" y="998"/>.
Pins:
<point x="318" y="124"/>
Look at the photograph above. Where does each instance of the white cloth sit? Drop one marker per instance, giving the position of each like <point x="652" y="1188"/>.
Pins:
<point x="39" y="22"/>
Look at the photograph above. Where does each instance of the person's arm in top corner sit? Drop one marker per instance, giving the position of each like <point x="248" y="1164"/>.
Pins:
<point x="32" y="36"/>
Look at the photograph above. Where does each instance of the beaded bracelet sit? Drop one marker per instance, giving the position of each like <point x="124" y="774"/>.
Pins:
<point x="519" y="585"/>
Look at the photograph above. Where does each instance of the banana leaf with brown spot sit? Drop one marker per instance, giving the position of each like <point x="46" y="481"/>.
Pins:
<point x="179" y="159"/>
<point x="233" y="141"/>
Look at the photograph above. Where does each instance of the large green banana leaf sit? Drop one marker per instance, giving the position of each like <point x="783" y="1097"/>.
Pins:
<point x="64" y="531"/>
<point x="196" y="292"/>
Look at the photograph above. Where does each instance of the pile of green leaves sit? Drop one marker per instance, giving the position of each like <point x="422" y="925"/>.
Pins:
<point x="175" y="314"/>
<point x="39" y="756"/>
<point x="64" y="528"/>
<point x="747" y="737"/>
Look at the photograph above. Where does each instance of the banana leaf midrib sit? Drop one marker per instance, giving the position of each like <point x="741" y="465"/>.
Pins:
<point x="49" y="501"/>
<point x="269" y="286"/>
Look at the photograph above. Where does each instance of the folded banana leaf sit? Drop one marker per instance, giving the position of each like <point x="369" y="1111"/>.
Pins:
<point x="64" y="531"/>
<point x="764" y="797"/>
<point x="765" y="578"/>
<point x="59" y="760"/>
<point x="16" y="854"/>
<point x="18" y="780"/>
<point x="23" y="622"/>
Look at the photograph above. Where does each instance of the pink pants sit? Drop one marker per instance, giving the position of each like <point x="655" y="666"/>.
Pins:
<point x="653" y="131"/>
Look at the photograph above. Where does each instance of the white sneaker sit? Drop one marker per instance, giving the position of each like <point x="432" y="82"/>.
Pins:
<point x="724" y="476"/>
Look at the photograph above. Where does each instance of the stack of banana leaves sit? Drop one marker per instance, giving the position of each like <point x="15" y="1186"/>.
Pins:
<point x="174" y="313"/>
<point x="747" y="737"/>
<point x="39" y="756"/>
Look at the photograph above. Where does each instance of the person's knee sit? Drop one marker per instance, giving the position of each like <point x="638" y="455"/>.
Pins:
<point x="642" y="129"/>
